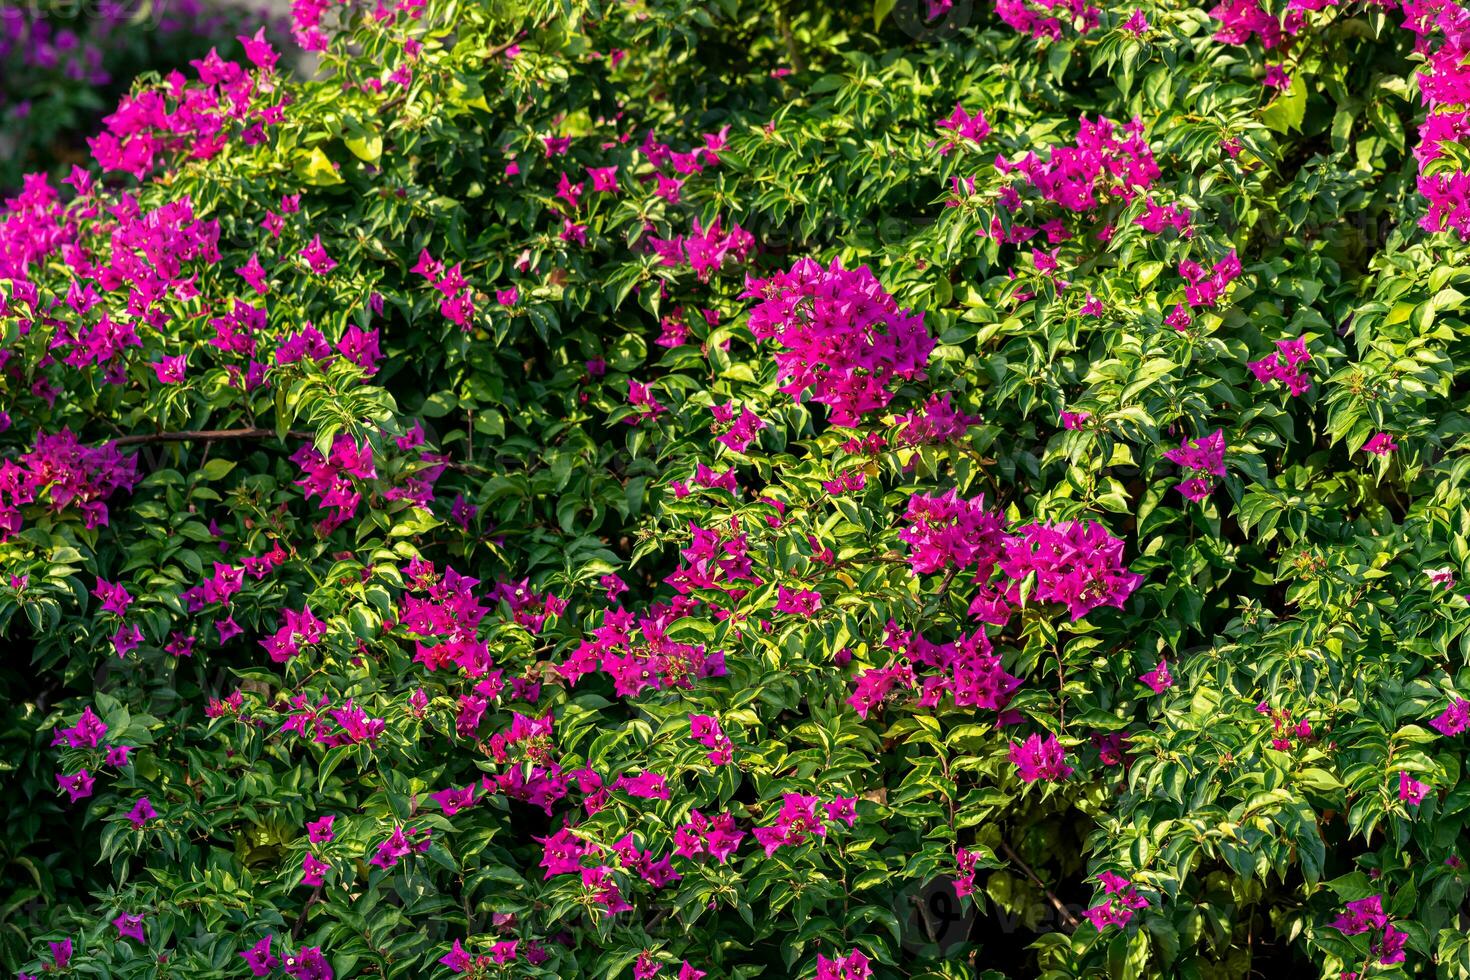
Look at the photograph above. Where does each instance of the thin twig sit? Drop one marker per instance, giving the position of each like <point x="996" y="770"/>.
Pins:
<point x="206" y="435"/>
<point x="316" y="894"/>
<point x="1056" y="903"/>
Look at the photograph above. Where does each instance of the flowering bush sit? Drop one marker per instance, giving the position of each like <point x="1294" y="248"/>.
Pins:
<point x="721" y="489"/>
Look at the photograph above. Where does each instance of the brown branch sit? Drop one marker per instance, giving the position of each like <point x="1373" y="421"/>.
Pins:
<point x="793" y="50"/>
<point x="206" y="435"/>
<point x="1056" y="903"/>
<point x="316" y="894"/>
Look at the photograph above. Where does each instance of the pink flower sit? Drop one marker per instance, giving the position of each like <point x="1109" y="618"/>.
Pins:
<point x="78" y="785"/>
<point x="141" y="813"/>
<point x="963" y="125"/>
<point x="1381" y="444"/>
<point x="874" y="686"/>
<point x="86" y="733"/>
<point x="1366" y="915"/>
<point x="259" y="51"/>
<point x="61" y="953"/>
<point x="949" y="531"/>
<point x="1285" y="366"/>
<point x="1454" y="719"/>
<point x="1363" y="915"/>
<point x="569" y="192"/>
<point x="803" y="603"/>
<point x="320" y="831"/>
<point x="170" y="370"/>
<point x="648" y="785"/>
<point x="259" y="958"/>
<point x="796" y="823"/>
<point x="641" y="396"/>
<point x="451" y="801"/>
<point x="312" y="870"/>
<point x="361" y="348"/>
<point x="843" y="809"/>
<point x="1077" y="563"/>
<point x="1040" y="759"/>
<point x="1159" y="679"/>
<point x="254" y="273"/>
<point x="457" y="959"/>
<point x="1411" y="791"/>
<point x="309" y="963"/>
<point x="127" y="639"/>
<point x="317" y="258"/>
<point x="130" y="927"/>
<point x="115" y="598"/>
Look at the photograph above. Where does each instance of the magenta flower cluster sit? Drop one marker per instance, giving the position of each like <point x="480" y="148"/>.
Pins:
<point x="840" y="335"/>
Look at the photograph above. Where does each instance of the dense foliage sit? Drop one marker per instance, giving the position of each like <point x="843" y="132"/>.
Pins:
<point x="745" y="489"/>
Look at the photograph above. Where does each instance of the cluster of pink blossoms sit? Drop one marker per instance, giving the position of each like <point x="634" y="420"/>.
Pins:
<point x="966" y="670"/>
<point x="853" y="966"/>
<point x="1285" y="728"/>
<point x="503" y="951"/>
<point x="1205" y="288"/>
<point x="1043" y="19"/>
<point x="1202" y="460"/>
<point x="563" y="854"/>
<point x="934" y="422"/>
<point x="1285" y="366"/>
<point x="330" y="478"/>
<point x="964" y="882"/>
<point x="528" y="607"/>
<point x="705" y="249"/>
<point x="637" y="652"/>
<point x="458" y="304"/>
<point x="1118" y="907"/>
<point x="706" y="730"/>
<point x="1040" y="758"/>
<point x="843" y="337"/>
<point x="196" y="119"/>
<point x="64" y="473"/>
<point x="1366" y="915"/>
<point x="798" y="820"/>
<point x="736" y="432"/>
<point x="961" y="125"/>
<point x="89" y="733"/>
<point x="1244" y="20"/>
<point x="1076" y="563"/>
<point x="1442" y="36"/>
<point x="1102" y="161"/>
